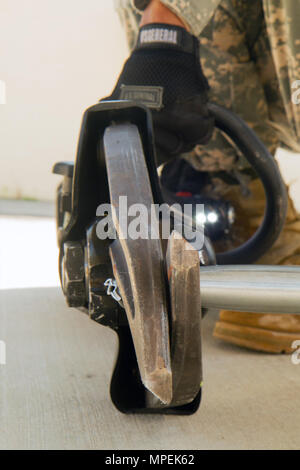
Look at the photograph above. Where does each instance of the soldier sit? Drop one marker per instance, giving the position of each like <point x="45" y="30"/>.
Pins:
<point x="250" y="57"/>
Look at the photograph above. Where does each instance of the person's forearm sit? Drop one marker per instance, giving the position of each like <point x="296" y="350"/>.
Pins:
<point x="157" y="12"/>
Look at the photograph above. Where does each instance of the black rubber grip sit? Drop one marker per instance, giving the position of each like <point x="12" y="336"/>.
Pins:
<point x="275" y="190"/>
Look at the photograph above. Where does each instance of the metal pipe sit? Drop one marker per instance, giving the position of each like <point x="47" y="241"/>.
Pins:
<point x="251" y="288"/>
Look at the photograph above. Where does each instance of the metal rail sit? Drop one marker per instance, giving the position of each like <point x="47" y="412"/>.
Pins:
<point x="253" y="288"/>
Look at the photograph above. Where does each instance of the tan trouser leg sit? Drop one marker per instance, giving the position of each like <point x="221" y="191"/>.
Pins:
<point x="264" y="332"/>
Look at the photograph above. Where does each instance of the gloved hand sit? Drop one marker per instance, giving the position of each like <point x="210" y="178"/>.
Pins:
<point x="164" y="73"/>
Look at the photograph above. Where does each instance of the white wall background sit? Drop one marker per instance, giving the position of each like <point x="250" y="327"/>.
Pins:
<point x="57" y="57"/>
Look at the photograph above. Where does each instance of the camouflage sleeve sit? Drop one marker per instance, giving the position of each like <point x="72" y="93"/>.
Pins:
<point x="283" y="25"/>
<point x="195" y="14"/>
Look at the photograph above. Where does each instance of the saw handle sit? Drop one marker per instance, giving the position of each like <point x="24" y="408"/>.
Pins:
<point x="267" y="170"/>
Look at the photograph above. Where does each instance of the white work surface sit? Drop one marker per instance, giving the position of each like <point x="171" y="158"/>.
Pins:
<point x="54" y="390"/>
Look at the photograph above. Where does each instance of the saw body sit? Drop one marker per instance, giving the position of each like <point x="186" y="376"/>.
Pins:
<point x="138" y="287"/>
<point x="146" y="288"/>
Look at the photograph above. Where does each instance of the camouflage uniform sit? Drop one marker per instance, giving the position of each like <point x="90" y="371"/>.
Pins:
<point x="250" y="53"/>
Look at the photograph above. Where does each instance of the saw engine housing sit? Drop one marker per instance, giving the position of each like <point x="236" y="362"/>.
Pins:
<point x="147" y="291"/>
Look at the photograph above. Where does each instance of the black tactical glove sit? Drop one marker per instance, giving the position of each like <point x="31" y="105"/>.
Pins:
<point x="164" y="73"/>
